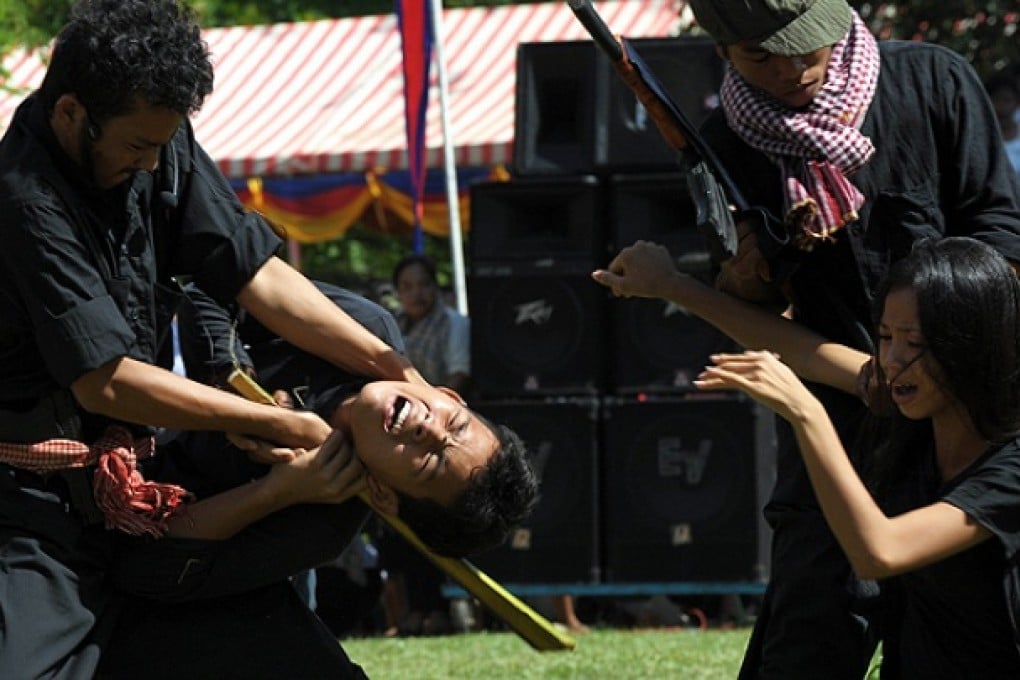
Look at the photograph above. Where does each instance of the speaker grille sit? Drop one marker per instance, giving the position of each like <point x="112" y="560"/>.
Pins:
<point x="573" y="113"/>
<point x="658" y="346"/>
<point x="680" y="490"/>
<point x="550" y="220"/>
<point x="536" y="334"/>
<point x="559" y="542"/>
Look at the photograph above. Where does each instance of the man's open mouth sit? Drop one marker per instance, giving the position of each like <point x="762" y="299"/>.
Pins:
<point x="401" y="409"/>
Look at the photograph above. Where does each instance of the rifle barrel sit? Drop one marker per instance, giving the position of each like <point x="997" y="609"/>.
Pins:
<point x="597" y="28"/>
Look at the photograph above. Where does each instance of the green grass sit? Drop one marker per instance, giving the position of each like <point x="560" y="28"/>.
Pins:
<point x="633" y="654"/>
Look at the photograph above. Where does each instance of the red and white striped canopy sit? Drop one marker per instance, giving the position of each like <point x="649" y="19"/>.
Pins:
<point x="327" y="96"/>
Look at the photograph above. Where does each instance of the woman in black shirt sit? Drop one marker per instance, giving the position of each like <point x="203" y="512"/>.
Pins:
<point x="947" y="473"/>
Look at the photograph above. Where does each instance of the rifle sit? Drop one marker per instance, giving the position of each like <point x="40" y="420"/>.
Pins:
<point x="719" y="202"/>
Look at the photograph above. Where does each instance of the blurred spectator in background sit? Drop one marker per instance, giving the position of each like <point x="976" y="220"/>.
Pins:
<point x="1004" y="91"/>
<point x="1016" y="82"/>
<point x="437" y="336"/>
<point x="350" y="587"/>
<point x="437" y="339"/>
<point x="566" y="616"/>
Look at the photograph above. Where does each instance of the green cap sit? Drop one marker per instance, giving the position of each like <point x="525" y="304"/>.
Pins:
<point x="783" y="27"/>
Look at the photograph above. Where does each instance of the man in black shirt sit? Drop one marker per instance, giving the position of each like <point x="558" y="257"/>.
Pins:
<point x="109" y="203"/>
<point x="860" y="149"/>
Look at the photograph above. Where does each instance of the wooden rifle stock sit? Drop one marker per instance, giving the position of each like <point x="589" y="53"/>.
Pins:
<point x="719" y="201"/>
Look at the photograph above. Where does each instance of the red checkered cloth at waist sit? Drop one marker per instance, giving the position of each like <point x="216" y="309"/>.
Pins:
<point x="128" y="501"/>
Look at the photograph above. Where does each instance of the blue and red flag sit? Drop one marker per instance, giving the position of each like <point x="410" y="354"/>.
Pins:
<point x="415" y="22"/>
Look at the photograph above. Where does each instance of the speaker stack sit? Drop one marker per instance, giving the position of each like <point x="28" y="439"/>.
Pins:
<point x="658" y="346"/>
<point x="643" y="479"/>
<point x="537" y="320"/>
<point x="574" y="115"/>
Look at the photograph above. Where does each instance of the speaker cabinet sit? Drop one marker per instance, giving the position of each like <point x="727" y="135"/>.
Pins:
<point x="684" y="480"/>
<point x="574" y="115"/>
<point x="558" y="543"/>
<point x="530" y="220"/>
<point x="656" y="207"/>
<point x="560" y="92"/>
<point x="657" y="345"/>
<point x="690" y="71"/>
<point x="536" y="332"/>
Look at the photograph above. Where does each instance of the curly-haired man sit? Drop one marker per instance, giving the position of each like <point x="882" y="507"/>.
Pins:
<point x="108" y="203"/>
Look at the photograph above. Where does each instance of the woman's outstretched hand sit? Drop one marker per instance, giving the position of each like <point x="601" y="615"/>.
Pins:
<point x="763" y="377"/>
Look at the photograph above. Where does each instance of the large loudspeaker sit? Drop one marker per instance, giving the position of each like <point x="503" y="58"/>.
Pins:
<point x="573" y="114"/>
<point x="560" y="91"/>
<point x="691" y="72"/>
<point x="531" y="220"/>
<point x="684" y="480"/>
<point x="536" y="332"/>
<point x="657" y="345"/>
<point x="558" y="543"/>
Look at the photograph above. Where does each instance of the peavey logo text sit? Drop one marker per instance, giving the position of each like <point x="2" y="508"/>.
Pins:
<point x="671" y="308"/>
<point x="536" y="312"/>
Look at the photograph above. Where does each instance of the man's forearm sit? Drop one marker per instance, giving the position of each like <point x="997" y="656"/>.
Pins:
<point x="137" y="392"/>
<point x="223" y="515"/>
<point x="288" y="304"/>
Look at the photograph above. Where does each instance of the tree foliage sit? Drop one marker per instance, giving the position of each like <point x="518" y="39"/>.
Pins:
<point x="983" y="31"/>
<point x="364" y="258"/>
<point x="31" y="22"/>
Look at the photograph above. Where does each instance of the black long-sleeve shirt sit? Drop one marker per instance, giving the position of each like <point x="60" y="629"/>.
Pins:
<point x="939" y="169"/>
<point x="88" y="276"/>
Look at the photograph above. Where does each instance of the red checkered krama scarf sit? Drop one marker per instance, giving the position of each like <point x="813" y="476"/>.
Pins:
<point x="819" y="146"/>
<point x="129" y="502"/>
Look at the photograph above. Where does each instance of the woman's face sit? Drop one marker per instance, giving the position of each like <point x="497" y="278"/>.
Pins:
<point x="909" y="371"/>
<point x="793" y="81"/>
<point x="1005" y="103"/>
<point x="416" y="291"/>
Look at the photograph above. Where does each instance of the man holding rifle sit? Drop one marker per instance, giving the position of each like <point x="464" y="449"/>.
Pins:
<point x="860" y="149"/>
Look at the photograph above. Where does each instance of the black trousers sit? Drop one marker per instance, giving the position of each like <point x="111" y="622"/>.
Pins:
<point x="816" y="620"/>
<point x="57" y="612"/>
<point x="263" y="634"/>
<point x="811" y="624"/>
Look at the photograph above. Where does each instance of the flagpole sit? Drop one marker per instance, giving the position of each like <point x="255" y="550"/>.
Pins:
<point x="452" y="195"/>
